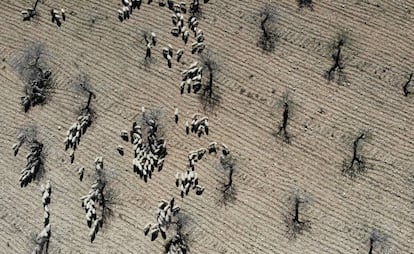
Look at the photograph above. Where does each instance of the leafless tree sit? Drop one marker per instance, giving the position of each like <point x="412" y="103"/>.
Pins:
<point x="305" y="3"/>
<point x="268" y="25"/>
<point x="357" y="164"/>
<point x="84" y="87"/>
<point x="152" y="122"/>
<point x="378" y="242"/>
<point x="180" y="239"/>
<point x="31" y="12"/>
<point x="282" y="129"/>
<point x="228" y="193"/>
<point x="296" y="225"/>
<point x="405" y="87"/>
<point x="210" y="91"/>
<point x="342" y="40"/>
<point x="34" y="72"/>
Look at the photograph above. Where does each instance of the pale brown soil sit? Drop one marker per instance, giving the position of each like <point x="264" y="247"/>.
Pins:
<point x="343" y="212"/>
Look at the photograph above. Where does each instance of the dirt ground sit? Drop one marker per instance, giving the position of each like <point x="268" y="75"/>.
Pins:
<point x="325" y="119"/>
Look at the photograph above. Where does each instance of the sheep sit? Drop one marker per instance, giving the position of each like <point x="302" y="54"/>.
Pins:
<point x="147" y="229"/>
<point x="180" y="53"/>
<point x="182" y="87"/>
<point x="225" y="150"/>
<point x="120" y="150"/>
<point x="170" y="4"/>
<point x="154" y="234"/>
<point x="124" y="135"/>
<point x="199" y="190"/>
<point x="177" y="179"/>
<point x="165" y="52"/>
<point x="125" y="2"/>
<point x="80" y="172"/>
<point x="162" y="204"/>
<point x="62" y="11"/>
<point x="72" y="156"/>
<point x="169" y="61"/>
<point x="175" y="31"/>
<point x="185" y="36"/>
<point x="212" y="148"/>
<point x="153" y="38"/>
<point x="182" y="7"/>
<point x="170" y="50"/>
<point x="120" y="15"/>
<point x="189" y="86"/>
<point x="148" y="51"/>
<point x="200" y="38"/>
<point x="187" y="128"/>
<point x="176" y="115"/>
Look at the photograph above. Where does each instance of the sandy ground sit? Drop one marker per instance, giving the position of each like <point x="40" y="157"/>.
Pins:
<point x="325" y="118"/>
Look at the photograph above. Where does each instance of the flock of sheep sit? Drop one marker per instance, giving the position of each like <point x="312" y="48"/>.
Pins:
<point x="42" y="239"/>
<point x="165" y="213"/>
<point x="192" y="78"/>
<point x="34" y="161"/>
<point x="149" y="150"/>
<point x="75" y="132"/>
<point x="95" y="197"/>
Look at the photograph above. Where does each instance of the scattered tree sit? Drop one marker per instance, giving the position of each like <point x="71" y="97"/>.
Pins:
<point x="282" y="129"/>
<point x="357" y="164"/>
<point x="269" y="18"/>
<point x="305" y="3"/>
<point x="150" y="41"/>
<point x="179" y="243"/>
<point x="34" y="72"/>
<point x="31" y="12"/>
<point x="227" y="165"/>
<point x="296" y="225"/>
<point x="378" y="242"/>
<point x="405" y="87"/>
<point x="341" y="41"/>
<point x="210" y="94"/>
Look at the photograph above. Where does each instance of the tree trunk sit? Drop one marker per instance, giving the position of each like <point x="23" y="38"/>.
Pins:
<point x="35" y="5"/>
<point x="262" y="25"/>
<point x="296" y="210"/>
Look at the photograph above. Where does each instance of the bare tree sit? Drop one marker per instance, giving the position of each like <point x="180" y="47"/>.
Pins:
<point x="149" y="40"/>
<point x="179" y="243"/>
<point x="282" y="129"/>
<point x="296" y="225"/>
<point x="228" y="192"/>
<point x="30" y="12"/>
<point x="269" y="18"/>
<point x="405" y="87"/>
<point x="357" y="164"/>
<point x="305" y="3"/>
<point x="342" y="40"/>
<point x="210" y="92"/>
<point x="378" y="242"/>
<point x="34" y="72"/>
